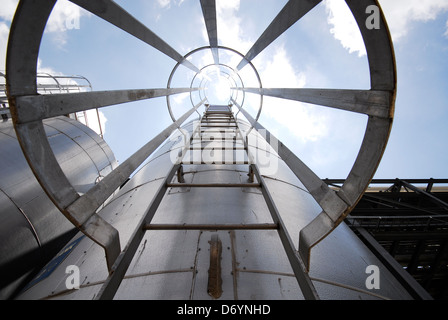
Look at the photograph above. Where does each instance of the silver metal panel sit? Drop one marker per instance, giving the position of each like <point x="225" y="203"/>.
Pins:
<point x="32" y="228"/>
<point x="174" y="264"/>
<point x="267" y="286"/>
<point x="12" y="221"/>
<point x="199" y="202"/>
<point x="164" y="286"/>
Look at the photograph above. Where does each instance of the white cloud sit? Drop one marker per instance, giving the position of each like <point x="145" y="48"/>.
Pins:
<point x="7" y="9"/>
<point x="64" y="17"/>
<point x="167" y="3"/>
<point x="344" y="27"/>
<point x="400" y="14"/>
<point x="276" y="70"/>
<point x="306" y="122"/>
<point x="164" y="3"/>
<point x="4" y="32"/>
<point x="230" y="32"/>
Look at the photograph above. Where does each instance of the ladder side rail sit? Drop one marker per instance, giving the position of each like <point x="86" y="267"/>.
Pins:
<point x="121" y="265"/>
<point x="298" y="267"/>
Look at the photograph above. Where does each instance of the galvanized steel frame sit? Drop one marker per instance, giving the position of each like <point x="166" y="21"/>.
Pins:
<point x="28" y="109"/>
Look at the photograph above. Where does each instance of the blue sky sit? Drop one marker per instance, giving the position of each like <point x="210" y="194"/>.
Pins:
<point x="322" y="50"/>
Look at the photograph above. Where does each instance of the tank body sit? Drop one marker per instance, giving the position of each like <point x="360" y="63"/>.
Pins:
<point x="32" y="229"/>
<point x="176" y="264"/>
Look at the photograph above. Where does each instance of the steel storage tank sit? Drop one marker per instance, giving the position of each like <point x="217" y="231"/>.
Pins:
<point x="32" y="229"/>
<point x="222" y="210"/>
<point x="175" y="262"/>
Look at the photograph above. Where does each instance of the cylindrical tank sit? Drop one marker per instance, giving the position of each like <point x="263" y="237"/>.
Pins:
<point x="249" y="264"/>
<point x="32" y="229"/>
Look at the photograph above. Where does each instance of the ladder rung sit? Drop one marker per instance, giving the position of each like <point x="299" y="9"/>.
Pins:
<point x="261" y="226"/>
<point x="224" y="119"/>
<point x="232" y="126"/>
<point x="220" y="131"/>
<point x="211" y="139"/>
<point x="218" y="116"/>
<point x="215" y="162"/>
<point x="216" y="121"/>
<point x="217" y="148"/>
<point x="213" y="185"/>
<point x="218" y="112"/>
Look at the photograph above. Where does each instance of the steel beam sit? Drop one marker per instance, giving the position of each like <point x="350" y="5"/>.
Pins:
<point x="213" y="185"/>
<point x="290" y="14"/>
<point x="23" y="46"/>
<point x="379" y="47"/>
<point x="116" y="15"/>
<point x="297" y="264"/>
<point x="325" y="196"/>
<point x="209" y="12"/>
<point x="260" y="226"/>
<point x="413" y="287"/>
<point x="36" y="107"/>
<point x="369" y="102"/>
<point x="123" y="261"/>
<point x="121" y="265"/>
<point x="427" y="194"/>
<point x="91" y="200"/>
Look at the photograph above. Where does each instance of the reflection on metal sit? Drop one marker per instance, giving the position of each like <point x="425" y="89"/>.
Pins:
<point x="32" y="230"/>
<point x="238" y="185"/>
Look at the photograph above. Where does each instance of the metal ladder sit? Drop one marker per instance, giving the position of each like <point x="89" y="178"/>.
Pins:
<point x="223" y="119"/>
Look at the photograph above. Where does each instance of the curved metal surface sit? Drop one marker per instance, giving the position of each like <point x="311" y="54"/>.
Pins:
<point x="32" y="229"/>
<point x="174" y="264"/>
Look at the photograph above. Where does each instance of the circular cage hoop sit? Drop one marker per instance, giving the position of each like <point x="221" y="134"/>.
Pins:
<point x="232" y="85"/>
<point x="28" y="109"/>
<point x="257" y="75"/>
